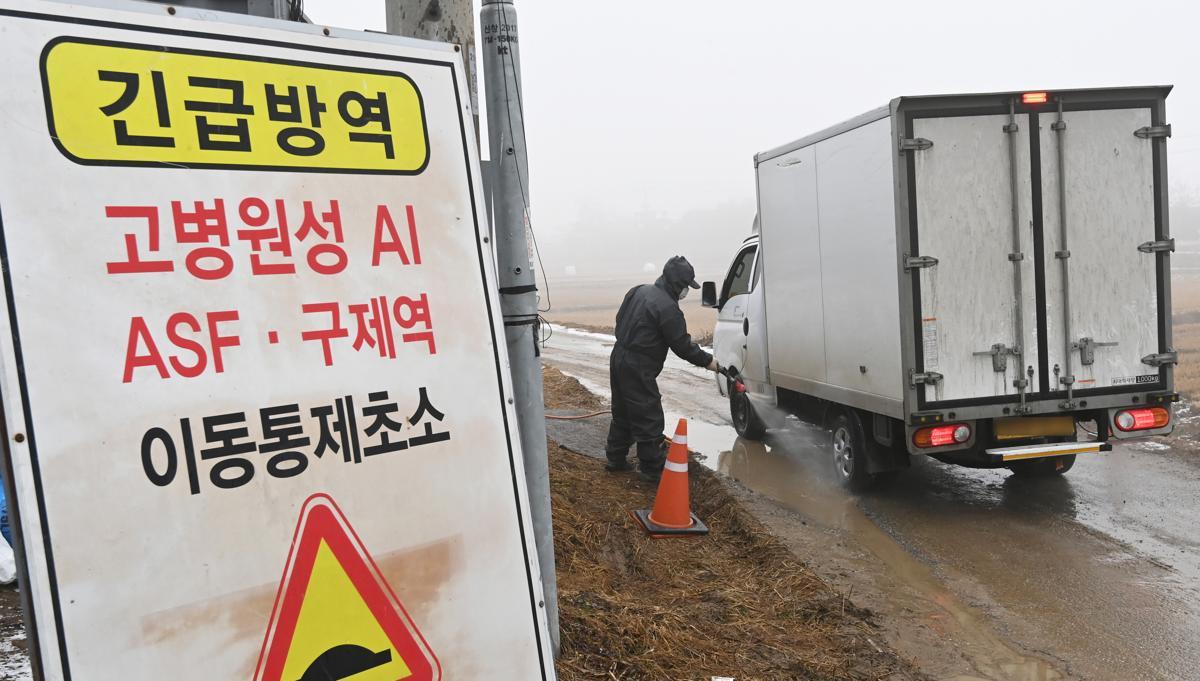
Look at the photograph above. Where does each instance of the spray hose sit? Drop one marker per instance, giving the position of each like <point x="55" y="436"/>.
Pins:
<point x="578" y="417"/>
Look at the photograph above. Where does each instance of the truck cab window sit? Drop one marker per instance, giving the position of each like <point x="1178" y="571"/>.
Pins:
<point x="738" y="281"/>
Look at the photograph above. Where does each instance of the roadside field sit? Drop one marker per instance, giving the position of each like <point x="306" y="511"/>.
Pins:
<point x="1185" y="301"/>
<point x="591" y="303"/>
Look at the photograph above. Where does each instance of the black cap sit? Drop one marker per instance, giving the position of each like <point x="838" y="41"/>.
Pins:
<point x="678" y="269"/>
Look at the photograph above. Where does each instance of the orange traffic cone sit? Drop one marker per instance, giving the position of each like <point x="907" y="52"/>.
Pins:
<point x="672" y="516"/>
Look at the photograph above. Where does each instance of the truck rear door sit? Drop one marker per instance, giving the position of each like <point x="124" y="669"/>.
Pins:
<point x="1102" y="297"/>
<point x="973" y="256"/>
<point x="1037" y="250"/>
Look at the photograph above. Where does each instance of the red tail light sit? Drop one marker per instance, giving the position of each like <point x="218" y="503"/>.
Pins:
<point x="1149" y="418"/>
<point x="940" y="436"/>
<point x="1035" y="98"/>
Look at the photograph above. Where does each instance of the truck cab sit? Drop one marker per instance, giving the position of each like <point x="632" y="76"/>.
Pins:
<point x="739" y="339"/>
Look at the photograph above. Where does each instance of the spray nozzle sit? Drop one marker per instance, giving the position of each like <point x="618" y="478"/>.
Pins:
<point x="732" y="374"/>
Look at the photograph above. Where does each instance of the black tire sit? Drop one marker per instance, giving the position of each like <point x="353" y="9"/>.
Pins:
<point x="1043" y="468"/>
<point x="746" y="420"/>
<point x="850" y="448"/>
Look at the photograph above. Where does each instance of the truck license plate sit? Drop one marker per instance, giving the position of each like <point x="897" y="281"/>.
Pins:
<point x="1021" y="427"/>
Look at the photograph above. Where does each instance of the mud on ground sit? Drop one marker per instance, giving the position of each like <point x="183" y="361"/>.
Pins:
<point x="14" y="656"/>
<point x="737" y="603"/>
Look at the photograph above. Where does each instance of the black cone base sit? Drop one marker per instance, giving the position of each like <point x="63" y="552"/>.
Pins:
<point x="659" y="532"/>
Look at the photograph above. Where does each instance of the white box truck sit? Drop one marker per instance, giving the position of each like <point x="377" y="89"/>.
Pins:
<point x="968" y="277"/>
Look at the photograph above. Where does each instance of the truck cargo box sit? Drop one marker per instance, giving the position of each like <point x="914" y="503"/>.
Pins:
<point x="972" y="256"/>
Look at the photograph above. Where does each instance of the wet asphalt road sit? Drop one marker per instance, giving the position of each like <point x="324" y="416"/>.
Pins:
<point x="1095" y="575"/>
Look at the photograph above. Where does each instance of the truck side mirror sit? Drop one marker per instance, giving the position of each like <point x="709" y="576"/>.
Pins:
<point x="708" y="294"/>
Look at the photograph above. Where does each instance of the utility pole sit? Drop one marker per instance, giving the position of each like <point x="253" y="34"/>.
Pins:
<point x="518" y="286"/>
<point x="446" y="21"/>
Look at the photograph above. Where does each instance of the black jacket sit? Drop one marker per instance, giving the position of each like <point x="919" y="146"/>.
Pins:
<point x="650" y="321"/>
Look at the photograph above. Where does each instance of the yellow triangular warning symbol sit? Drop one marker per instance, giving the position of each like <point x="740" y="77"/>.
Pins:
<point x="335" y="617"/>
<point x="334" y="613"/>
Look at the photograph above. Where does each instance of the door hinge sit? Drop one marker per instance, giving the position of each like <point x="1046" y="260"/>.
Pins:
<point x="915" y="144"/>
<point x="1087" y="350"/>
<point x="1161" y="359"/>
<point x="919" y="378"/>
<point x="1152" y="131"/>
<point x="1158" y="246"/>
<point x="999" y="353"/>
<point x="917" y="262"/>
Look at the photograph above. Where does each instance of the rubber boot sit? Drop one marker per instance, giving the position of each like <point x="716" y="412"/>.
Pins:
<point x="651" y="457"/>
<point x="617" y="463"/>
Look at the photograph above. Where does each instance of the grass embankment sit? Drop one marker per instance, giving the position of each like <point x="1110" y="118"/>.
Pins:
<point x="736" y="603"/>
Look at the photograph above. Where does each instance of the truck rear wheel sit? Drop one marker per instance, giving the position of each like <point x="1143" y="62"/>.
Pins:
<point x="1042" y="468"/>
<point x="850" y="451"/>
<point x="745" y="419"/>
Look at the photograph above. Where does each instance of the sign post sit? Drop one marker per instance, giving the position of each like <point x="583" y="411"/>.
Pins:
<point x="252" y="359"/>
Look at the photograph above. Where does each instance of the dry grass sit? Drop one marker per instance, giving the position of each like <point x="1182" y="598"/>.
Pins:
<point x="1185" y="292"/>
<point x="1187" y="374"/>
<point x="735" y="603"/>
<point x="563" y="392"/>
<point x="1185" y="299"/>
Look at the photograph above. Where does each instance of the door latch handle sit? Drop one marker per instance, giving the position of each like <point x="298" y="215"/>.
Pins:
<point x="999" y="353"/>
<point x="1087" y="350"/>
<point x="745" y="326"/>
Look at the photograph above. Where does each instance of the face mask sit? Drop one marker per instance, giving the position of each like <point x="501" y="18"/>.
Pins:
<point x="684" y="292"/>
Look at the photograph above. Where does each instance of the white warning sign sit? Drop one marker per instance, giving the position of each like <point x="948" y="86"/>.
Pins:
<point x="245" y="272"/>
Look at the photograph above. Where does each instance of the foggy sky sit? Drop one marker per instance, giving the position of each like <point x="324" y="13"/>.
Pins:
<point x="643" y="116"/>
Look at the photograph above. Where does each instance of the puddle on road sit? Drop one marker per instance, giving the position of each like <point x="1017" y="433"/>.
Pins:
<point x="705" y="438"/>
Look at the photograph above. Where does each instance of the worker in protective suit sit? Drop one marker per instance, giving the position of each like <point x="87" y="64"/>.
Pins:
<point x="648" y="324"/>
